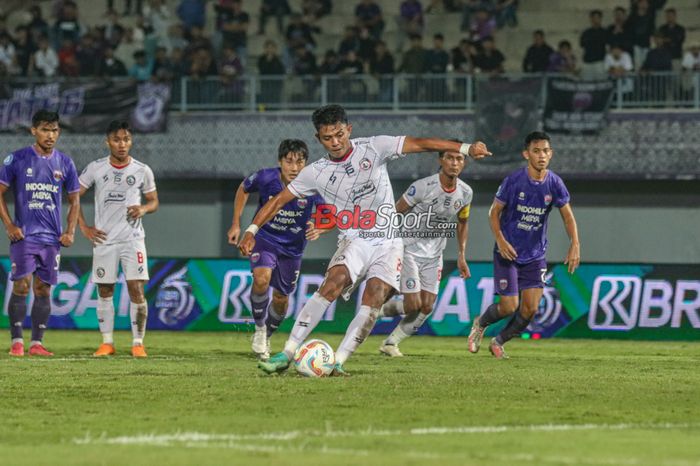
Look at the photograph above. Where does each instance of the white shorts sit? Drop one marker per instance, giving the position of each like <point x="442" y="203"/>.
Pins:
<point x="364" y="261"/>
<point x="131" y="255"/>
<point x="420" y="273"/>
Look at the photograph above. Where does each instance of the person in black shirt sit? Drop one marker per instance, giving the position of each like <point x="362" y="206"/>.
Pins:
<point x="270" y="67"/>
<point x="618" y="34"/>
<point x="537" y="56"/>
<point x="234" y="29"/>
<point x="658" y="60"/>
<point x="640" y="25"/>
<point x="382" y="63"/>
<point x="593" y="41"/>
<point x="675" y="36"/>
<point x="489" y="59"/>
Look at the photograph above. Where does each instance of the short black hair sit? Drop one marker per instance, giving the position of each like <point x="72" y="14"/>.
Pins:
<point x="116" y="125"/>
<point x="442" y="154"/>
<point x="539" y="32"/>
<point x="44" y="116"/>
<point x="619" y="8"/>
<point x="439" y="36"/>
<point x="293" y="145"/>
<point x="596" y="13"/>
<point x="671" y="10"/>
<point x="536" y="136"/>
<point x="329" y="115"/>
<point x="564" y="43"/>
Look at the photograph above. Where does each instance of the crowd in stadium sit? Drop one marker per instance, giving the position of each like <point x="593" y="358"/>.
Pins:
<point x="164" y="43"/>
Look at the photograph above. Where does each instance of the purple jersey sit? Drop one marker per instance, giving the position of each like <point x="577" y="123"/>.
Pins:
<point x="288" y="228"/>
<point x="37" y="183"/>
<point x="527" y="204"/>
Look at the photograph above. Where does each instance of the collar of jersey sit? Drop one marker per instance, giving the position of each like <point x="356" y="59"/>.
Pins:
<point x="119" y="167"/>
<point x="345" y="157"/>
<point x="45" y="157"/>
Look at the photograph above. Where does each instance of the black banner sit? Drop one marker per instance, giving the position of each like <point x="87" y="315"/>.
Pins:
<point x="577" y="106"/>
<point x="507" y="110"/>
<point x="87" y="107"/>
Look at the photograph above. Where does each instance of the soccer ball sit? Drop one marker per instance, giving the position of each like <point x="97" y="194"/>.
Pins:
<point x="315" y="358"/>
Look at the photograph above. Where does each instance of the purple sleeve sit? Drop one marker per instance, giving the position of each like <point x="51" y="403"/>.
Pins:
<point x="562" y="194"/>
<point x="503" y="192"/>
<point x="318" y="200"/>
<point x="7" y="171"/>
<point x="71" y="183"/>
<point x="251" y="184"/>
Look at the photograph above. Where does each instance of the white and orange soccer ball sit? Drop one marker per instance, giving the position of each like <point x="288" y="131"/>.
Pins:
<point x="315" y="358"/>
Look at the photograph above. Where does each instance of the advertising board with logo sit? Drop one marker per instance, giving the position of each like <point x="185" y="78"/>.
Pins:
<point x="598" y="301"/>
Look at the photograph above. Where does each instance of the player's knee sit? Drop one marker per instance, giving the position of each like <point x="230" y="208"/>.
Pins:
<point x="260" y="284"/>
<point x="105" y="291"/>
<point x="528" y="311"/>
<point x="507" y="307"/>
<point x="280" y="303"/>
<point x="375" y="293"/>
<point x="136" y="294"/>
<point x="426" y="308"/>
<point x="20" y="287"/>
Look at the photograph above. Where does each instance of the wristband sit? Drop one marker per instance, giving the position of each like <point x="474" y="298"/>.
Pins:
<point x="464" y="149"/>
<point x="252" y="229"/>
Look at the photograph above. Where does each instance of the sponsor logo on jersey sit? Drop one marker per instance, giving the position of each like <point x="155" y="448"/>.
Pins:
<point x="521" y="196"/>
<point x="411" y="190"/>
<point x="30" y="172"/>
<point x="130" y="180"/>
<point x="548" y="199"/>
<point x="503" y="283"/>
<point x="458" y="204"/>
<point x="364" y="190"/>
<point x="8" y="159"/>
<point x="35" y="205"/>
<point x="302" y="203"/>
<point x="115" y="196"/>
<point x="100" y="272"/>
<point x="365" y="164"/>
<point x="57" y="175"/>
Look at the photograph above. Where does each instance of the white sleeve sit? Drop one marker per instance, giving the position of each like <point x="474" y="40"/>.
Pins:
<point x="149" y="181"/>
<point x="304" y="185"/>
<point x="687" y="61"/>
<point x="627" y="62"/>
<point x="415" y="193"/>
<point x="608" y="62"/>
<point x="87" y="177"/>
<point x="388" y="147"/>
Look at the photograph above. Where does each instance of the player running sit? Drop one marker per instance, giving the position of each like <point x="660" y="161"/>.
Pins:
<point x="439" y="199"/>
<point x="518" y="219"/>
<point x="353" y="179"/>
<point x="38" y="175"/>
<point x="118" y="235"/>
<point x="276" y="258"/>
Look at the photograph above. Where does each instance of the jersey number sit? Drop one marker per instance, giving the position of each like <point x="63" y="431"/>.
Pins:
<point x="139" y="257"/>
<point x="58" y="261"/>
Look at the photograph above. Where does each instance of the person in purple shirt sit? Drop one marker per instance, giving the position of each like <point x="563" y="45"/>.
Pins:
<point x="37" y="175"/>
<point x="518" y="220"/>
<point x="276" y="259"/>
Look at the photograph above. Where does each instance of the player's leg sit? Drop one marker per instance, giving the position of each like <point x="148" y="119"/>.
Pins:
<point x="505" y="279"/>
<point x="412" y="305"/>
<point x="48" y="259"/>
<point x="283" y="282"/>
<point x="105" y="269"/>
<point x="23" y="266"/>
<point x="134" y="261"/>
<point x="259" y="303"/>
<point x="383" y="274"/>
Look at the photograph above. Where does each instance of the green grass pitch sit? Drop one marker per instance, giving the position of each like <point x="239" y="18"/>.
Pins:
<point x="199" y="400"/>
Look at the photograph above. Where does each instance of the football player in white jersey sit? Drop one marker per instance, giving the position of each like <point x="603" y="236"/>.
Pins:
<point x="354" y="181"/>
<point x="436" y="202"/>
<point x="118" y="235"/>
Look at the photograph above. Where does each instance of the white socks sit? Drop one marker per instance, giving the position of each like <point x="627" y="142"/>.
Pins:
<point x="357" y="332"/>
<point x="105" y="318"/>
<point x="406" y="328"/>
<point x="309" y="317"/>
<point x="139" y="316"/>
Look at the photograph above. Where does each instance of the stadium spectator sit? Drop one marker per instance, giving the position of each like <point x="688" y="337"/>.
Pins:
<point x="44" y="61"/>
<point x="234" y="29"/>
<point x="300" y="33"/>
<point x="142" y="67"/>
<point x="350" y="64"/>
<point x="270" y="65"/>
<point x="38" y="27"/>
<point x="410" y="19"/>
<point x="470" y="7"/>
<point x="277" y="8"/>
<point x="489" y="59"/>
<point x="675" y="37"/>
<point x="563" y="60"/>
<point x="618" y="34"/>
<point x="88" y="54"/>
<point x="192" y="14"/>
<point x="157" y="14"/>
<point x="164" y="69"/>
<point x="380" y="65"/>
<point x="366" y="45"/>
<point x="176" y="38"/>
<point x="659" y="58"/>
<point x="506" y="13"/>
<point x="24" y="49"/>
<point x="313" y="10"/>
<point x="462" y="57"/>
<point x="203" y="64"/>
<point x="414" y="58"/>
<point x="127" y="47"/>
<point x="618" y="64"/>
<point x="350" y="41"/>
<point x="656" y="87"/>
<point x="304" y="62"/>
<point x="593" y="42"/>
<point x="537" y="56"/>
<point x="67" y="25"/>
<point x="67" y="60"/>
<point x="127" y="7"/>
<point x="230" y="70"/>
<point x="331" y="62"/>
<point x="640" y="25"/>
<point x="691" y="59"/>
<point x="7" y="52"/>
<point x="198" y="41"/>
<point x="483" y="24"/>
<point x="437" y="58"/>
<point x="113" y="30"/>
<point x="368" y="14"/>
<point x="109" y="65"/>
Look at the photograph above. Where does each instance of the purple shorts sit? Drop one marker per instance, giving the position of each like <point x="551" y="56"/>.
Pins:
<point x="285" y="269"/>
<point x="509" y="277"/>
<point x="28" y="258"/>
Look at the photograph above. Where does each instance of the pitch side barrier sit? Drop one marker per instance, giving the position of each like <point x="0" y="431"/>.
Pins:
<point x="625" y="301"/>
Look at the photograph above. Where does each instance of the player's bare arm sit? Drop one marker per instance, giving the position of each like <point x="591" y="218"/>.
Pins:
<point x="477" y="150"/>
<point x="239" y="203"/>
<point x="402" y="206"/>
<point x="14" y="233"/>
<point x="313" y="233"/>
<point x="462" y="238"/>
<point x="573" y="257"/>
<point x="94" y="235"/>
<point x="137" y="211"/>
<point x="505" y="249"/>
<point x="264" y="215"/>
<point x="68" y="236"/>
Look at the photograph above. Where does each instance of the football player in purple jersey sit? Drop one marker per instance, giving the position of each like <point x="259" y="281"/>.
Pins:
<point x="276" y="258"/>
<point x="37" y="175"/>
<point x="518" y="220"/>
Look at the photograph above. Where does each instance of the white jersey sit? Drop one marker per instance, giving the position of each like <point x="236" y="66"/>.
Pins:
<point x="356" y="188"/>
<point x="117" y="188"/>
<point x="429" y="237"/>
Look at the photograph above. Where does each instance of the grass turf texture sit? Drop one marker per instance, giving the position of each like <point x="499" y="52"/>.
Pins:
<point x="199" y="399"/>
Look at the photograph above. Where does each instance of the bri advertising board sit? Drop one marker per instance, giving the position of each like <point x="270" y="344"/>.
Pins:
<point x="651" y="302"/>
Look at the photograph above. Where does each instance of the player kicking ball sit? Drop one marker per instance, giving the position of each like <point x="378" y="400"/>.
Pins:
<point x="518" y="220"/>
<point x="276" y="258"/>
<point x="38" y="175"/>
<point x="118" y="236"/>
<point x="438" y="200"/>
<point x="354" y="181"/>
